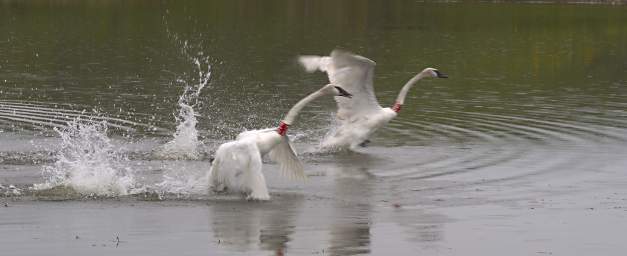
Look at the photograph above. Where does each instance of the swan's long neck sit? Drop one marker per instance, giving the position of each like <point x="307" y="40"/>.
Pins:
<point x="293" y="113"/>
<point x="401" y="95"/>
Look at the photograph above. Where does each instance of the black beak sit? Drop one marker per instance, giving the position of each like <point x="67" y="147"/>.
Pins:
<point x="343" y="92"/>
<point x="440" y="74"/>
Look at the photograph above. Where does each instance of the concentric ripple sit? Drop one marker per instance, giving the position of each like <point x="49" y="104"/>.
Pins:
<point x="478" y="147"/>
<point x="45" y="115"/>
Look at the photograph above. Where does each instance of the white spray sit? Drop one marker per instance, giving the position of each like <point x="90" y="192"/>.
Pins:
<point x="185" y="143"/>
<point x="87" y="162"/>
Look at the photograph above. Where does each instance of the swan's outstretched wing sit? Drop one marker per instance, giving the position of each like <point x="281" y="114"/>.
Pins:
<point x="313" y="63"/>
<point x="353" y="73"/>
<point x="285" y="155"/>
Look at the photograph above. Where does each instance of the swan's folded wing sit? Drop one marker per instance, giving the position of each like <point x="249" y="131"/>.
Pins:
<point x="355" y="74"/>
<point x="285" y="155"/>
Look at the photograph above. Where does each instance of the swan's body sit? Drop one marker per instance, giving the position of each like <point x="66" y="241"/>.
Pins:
<point x="237" y="164"/>
<point x="360" y="117"/>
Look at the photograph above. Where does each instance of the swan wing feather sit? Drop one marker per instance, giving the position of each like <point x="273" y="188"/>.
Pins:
<point x="354" y="74"/>
<point x="311" y="63"/>
<point x="286" y="156"/>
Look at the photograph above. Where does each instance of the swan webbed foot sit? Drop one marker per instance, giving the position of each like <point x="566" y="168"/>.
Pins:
<point x="364" y="143"/>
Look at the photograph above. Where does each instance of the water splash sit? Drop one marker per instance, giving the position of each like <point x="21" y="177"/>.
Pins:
<point x="10" y="190"/>
<point x="185" y="143"/>
<point x="183" y="185"/>
<point x="88" y="163"/>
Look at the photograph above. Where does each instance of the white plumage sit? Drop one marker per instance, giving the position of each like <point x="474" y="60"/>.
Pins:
<point x="237" y="164"/>
<point x="362" y="115"/>
<point x="237" y="167"/>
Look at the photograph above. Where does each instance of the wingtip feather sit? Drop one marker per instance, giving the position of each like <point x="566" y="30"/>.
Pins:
<point x="289" y="164"/>
<point x="311" y="63"/>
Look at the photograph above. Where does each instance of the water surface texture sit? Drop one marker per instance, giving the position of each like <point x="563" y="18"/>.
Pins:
<point x="111" y="110"/>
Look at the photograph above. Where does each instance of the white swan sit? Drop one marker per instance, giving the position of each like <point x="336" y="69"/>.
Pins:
<point x="237" y="164"/>
<point x="362" y="115"/>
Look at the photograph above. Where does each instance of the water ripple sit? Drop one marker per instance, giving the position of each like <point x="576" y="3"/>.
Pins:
<point x="51" y="115"/>
<point x="487" y="147"/>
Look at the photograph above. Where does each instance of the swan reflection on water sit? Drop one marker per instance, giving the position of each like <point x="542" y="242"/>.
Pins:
<point x="245" y="226"/>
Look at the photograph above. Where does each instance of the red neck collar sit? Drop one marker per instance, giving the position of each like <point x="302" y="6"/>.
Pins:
<point x="397" y="107"/>
<point x="282" y="130"/>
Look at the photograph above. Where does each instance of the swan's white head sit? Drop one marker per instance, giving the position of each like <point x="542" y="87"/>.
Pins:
<point x="432" y="72"/>
<point x="335" y="90"/>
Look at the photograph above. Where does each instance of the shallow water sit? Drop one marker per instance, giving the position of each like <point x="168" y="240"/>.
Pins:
<point x="521" y="151"/>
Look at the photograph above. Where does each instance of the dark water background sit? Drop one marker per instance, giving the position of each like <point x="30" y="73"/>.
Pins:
<point x="122" y="57"/>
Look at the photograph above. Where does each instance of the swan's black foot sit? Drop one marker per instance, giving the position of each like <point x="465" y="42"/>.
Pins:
<point x="364" y="143"/>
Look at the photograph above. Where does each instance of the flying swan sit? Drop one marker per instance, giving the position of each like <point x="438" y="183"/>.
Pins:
<point x="237" y="164"/>
<point x="361" y="116"/>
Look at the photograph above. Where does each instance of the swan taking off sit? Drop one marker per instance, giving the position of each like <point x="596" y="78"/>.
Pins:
<point x="361" y="116"/>
<point x="237" y="164"/>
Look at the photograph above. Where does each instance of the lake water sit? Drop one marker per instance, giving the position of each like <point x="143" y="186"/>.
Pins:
<point x="522" y="151"/>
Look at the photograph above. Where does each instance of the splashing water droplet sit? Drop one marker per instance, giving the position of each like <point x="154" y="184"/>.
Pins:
<point x="185" y="143"/>
<point x="87" y="162"/>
